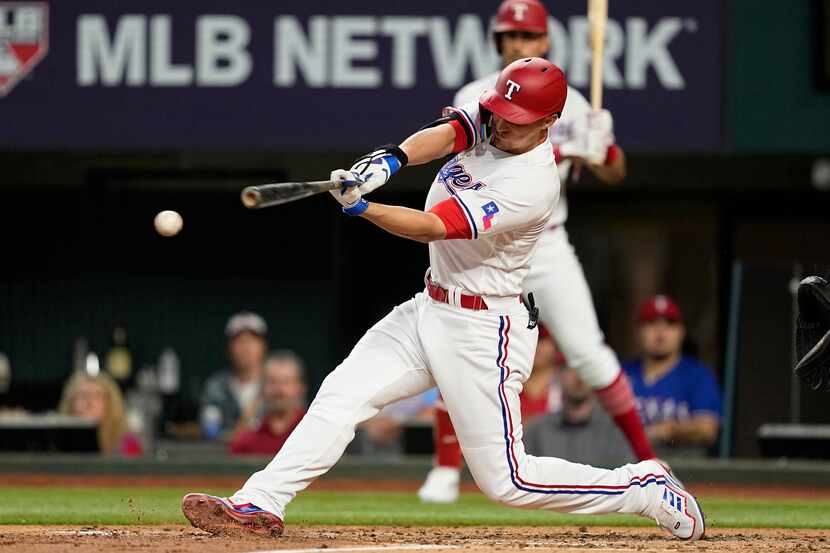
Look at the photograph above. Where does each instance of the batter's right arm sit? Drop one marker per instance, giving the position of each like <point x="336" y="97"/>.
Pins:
<point x="429" y="144"/>
<point x="451" y="133"/>
<point x="454" y="132"/>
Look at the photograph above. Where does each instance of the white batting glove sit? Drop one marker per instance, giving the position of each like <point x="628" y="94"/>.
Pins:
<point x="349" y="195"/>
<point x="589" y="137"/>
<point x="600" y="135"/>
<point x="378" y="166"/>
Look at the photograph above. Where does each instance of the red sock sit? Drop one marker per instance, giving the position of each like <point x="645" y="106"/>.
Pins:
<point x="447" y="450"/>
<point x="618" y="400"/>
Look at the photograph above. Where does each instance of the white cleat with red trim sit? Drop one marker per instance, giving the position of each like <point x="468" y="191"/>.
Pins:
<point x="675" y="509"/>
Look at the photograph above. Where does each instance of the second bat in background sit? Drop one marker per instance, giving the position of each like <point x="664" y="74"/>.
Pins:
<point x="597" y="19"/>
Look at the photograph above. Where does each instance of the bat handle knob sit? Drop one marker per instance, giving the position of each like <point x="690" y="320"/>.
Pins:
<point x="251" y="197"/>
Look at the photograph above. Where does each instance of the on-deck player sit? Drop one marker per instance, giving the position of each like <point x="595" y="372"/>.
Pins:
<point x="467" y="332"/>
<point x="581" y="138"/>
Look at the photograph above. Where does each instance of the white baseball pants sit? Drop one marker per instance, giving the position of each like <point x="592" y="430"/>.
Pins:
<point x="479" y="361"/>
<point x="559" y="287"/>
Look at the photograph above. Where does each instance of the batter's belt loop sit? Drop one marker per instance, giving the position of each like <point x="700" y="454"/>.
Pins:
<point x="453" y="297"/>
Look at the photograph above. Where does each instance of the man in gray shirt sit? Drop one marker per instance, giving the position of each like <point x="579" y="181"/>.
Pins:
<point x="579" y="432"/>
<point x="231" y="394"/>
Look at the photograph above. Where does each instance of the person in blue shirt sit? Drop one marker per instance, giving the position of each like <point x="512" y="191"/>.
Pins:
<point x="677" y="396"/>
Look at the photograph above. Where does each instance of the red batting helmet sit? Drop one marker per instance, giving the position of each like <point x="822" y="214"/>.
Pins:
<point x="527" y="90"/>
<point x="521" y="15"/>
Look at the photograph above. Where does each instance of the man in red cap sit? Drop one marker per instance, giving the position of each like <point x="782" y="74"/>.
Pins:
<point x="677" y="396"/>
<point x="468" y="332"/>
<point x="581" y="139"/>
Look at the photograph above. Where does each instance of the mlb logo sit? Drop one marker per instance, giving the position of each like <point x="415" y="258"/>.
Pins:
<point x="24" y="40"/>
<point x="490" y="211"/>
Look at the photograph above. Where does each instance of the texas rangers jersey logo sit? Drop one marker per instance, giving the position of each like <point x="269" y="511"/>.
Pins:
<point x="490" y="211"/>
<point x="24" y="40"/>
<point x="453" y="174"/>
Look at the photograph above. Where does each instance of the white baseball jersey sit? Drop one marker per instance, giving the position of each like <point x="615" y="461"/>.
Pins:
<point x="495" y="205"/>
<point x="556" y="277"/>
<point x="576" y="106"/>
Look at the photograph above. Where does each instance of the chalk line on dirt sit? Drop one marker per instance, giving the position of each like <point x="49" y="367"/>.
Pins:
<point x="388" y="547"/>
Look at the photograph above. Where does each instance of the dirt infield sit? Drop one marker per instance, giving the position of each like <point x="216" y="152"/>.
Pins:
<point x="181" y="539"/>
<point x="316" y="539"/>
<point x="197" y="483"/>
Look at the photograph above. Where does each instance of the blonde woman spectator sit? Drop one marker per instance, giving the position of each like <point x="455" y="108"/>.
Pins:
<point x="98" y="398"/>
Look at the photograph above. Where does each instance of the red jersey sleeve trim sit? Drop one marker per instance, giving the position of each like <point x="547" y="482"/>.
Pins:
<point x="461" y="141"/>
<point x="454" y="219"/>
<point x="469" y="129"/>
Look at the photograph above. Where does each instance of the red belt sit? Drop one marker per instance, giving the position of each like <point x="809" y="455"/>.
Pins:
<point x="476" y="303"/>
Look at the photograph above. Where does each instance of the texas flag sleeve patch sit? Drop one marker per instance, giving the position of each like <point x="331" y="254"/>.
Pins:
<point x="491" y="210"/>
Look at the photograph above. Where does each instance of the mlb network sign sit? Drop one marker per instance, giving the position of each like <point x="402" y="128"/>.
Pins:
<point x="344" y="51"/>
<point x="24" y="40"/>
<point x="214" y="74"/>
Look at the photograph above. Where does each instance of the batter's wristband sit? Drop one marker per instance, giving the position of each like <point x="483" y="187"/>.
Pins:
<point x="357" y="209"/>
<point x="611" y="154"/>
<point x="396" y="151"/>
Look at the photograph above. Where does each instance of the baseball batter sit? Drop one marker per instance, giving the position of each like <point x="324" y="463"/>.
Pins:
<point x="468" y="332"/>
<point x="581" y="139"/>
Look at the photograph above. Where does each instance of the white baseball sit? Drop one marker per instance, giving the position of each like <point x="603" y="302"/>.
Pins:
<point x="168" y="223"/>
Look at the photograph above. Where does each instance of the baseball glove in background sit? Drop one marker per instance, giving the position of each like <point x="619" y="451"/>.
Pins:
<point x="812" y="335"/>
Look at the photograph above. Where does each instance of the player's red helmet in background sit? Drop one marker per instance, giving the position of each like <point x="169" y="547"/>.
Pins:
<point x="527" y="90"/>
<point x="529" y="16"/>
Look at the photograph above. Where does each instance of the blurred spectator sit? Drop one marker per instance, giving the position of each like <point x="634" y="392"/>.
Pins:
<point x="579" y="432"/>
<point x="5" y="373"/>
<point x="278" y="410"/>
<point x="382" y="434"/>
<point x="541" y="394"/>
<point x="677" y="395"/>
<point x="98" y="398"/>
<point x="229" y="392"/>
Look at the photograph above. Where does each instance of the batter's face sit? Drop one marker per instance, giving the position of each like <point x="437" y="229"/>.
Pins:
<point x="662" y="338"/>
<point x="516" y="45"/>
<point x="518" y="139"/>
